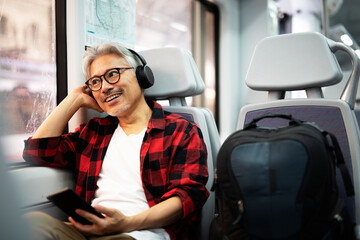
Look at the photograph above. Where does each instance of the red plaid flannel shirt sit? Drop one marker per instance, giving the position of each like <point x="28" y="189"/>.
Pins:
<point x="173" y="159"/>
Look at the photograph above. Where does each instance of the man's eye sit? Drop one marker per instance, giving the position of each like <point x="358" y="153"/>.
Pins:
<point x="113" y="73"/>
<point x="95" y="82"/>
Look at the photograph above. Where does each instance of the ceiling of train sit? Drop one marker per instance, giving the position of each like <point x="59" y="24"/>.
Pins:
<point x="349" y="16"/>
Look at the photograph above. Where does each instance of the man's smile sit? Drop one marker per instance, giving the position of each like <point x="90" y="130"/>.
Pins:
<point x="112" y="96"/>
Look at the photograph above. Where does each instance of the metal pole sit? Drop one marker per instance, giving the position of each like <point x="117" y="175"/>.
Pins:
<point x="324" y="18"/>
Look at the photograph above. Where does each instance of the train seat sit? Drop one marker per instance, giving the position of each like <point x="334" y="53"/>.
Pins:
<point x="306" y="61"/>
<point x="177" y="77"/>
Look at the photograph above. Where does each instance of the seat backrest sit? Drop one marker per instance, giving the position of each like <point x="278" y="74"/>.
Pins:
<point x="177" y="77"/>
<point x="306" y="61"/>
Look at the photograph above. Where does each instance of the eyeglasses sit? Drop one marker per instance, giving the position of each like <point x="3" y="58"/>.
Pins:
<point x="111" y="76"/>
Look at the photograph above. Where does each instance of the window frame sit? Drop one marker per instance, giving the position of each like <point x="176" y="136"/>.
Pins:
<point x="211" y="8"/>
<point x="61" y="50"/>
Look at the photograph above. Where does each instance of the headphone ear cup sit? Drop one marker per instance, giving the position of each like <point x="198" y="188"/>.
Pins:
<point x="144" y="76"/>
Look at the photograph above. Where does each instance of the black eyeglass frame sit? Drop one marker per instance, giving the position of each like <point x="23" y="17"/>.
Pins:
<point x="101" y="77"/>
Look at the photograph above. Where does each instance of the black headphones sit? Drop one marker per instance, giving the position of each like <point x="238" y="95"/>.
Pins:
<point x="143" y="73"/>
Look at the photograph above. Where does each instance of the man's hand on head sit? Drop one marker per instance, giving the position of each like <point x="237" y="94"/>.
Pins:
<point x="86" y="98"/>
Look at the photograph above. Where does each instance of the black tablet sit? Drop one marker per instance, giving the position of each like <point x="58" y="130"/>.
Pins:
<point x="67" y="200"/>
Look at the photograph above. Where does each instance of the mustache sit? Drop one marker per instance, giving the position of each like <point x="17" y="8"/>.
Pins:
<point x="110" y="92"/>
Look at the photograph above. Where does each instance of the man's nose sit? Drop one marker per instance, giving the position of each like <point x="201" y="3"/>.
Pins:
<point x="105" y="85"/>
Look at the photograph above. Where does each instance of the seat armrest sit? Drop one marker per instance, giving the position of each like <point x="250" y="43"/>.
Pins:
<point x="35" y="183"/>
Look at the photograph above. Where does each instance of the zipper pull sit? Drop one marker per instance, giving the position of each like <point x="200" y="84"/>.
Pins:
<point x="241" y="211"/>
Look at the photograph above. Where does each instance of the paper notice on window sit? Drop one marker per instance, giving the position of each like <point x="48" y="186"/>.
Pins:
<point x="110" y="21"/>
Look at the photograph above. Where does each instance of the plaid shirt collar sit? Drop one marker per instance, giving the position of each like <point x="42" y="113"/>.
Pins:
<point x="157" y="118"/>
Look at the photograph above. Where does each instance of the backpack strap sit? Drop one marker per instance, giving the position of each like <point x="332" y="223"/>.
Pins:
<point x="292" y="121"/>
<point x="340" y="163"/>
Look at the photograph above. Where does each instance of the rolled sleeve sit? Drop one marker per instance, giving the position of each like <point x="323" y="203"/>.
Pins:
<point x="53" y="151"/>
<point x="189" y="173"/>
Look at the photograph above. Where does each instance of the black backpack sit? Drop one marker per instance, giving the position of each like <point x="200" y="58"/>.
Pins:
<point x="280" y="184"/>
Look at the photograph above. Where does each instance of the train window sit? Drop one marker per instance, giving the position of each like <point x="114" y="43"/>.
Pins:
<point x="27" y="71"/>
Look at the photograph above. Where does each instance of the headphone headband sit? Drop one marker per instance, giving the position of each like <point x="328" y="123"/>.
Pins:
<point x="142" y="60"/>
<point x="144" y="74"/>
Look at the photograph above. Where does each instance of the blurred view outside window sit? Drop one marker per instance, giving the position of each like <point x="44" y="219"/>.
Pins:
<point x="162" y="23"/>
<point x="27" y="70"/>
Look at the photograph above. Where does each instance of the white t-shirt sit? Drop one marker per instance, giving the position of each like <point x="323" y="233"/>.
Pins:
<point x="120" y="185"/>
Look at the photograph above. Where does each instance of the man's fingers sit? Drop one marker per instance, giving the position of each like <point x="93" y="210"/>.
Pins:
<point x="89" y="216"/>
<point x="105" y="210"/>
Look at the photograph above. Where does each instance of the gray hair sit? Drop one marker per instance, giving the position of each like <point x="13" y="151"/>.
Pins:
<point x="108" y="48"/>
